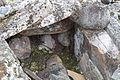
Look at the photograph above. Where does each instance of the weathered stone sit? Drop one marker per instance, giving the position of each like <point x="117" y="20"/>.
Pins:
<point x="10" y="68"/>
<point x="93" y="16"/>
<point x="63" y="9"/>
<point x="29" y="12"/>
<point x="78" y="42"/>
<point x="55" y="70"/>
<point x="48" y="41"/>
<point x="39" y="15"/>
<point x="32" y="74"/>
<point x="59" y="27"/>
<point x="113" y="30"/>
<point x="2" y="3"/>
<point x="21" y="47"/>
<point x="88" y="68"/>
<point x="102" y="51"/>
<point x="114" y="7"/>
<point x="63" y="38"/>
<point x="116" y="74"/>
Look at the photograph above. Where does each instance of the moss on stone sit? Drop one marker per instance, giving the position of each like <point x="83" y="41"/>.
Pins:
<point x="37" y="61"/>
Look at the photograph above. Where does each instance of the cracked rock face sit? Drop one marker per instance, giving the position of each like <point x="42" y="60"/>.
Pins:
<point x="102" y="52"/>
<point x="113" y="30"/>
<point x="88" y="68"/>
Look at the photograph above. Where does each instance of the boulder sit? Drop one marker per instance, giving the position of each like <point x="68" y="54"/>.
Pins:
<point x="21" y="47"/>
<point x="48" y="41"/>
<point x="102" y="51"/>
<point x="78" y="42"/>
<point x="93" y="16"/>
<point x="64" y="38"/>
<point x="113" y="30"/>
<point x="90" y="71"/>
<point x="54" y="70"/>
<point x="33" y="12"/>
<point x="10" y="68"/>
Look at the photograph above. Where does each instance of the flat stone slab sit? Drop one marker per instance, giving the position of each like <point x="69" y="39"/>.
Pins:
<point x="27" y="13"/>
<point x="59" y="27"/>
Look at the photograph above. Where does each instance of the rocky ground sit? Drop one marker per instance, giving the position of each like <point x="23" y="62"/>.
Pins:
<point x="35" y="53"/>
<point x="59" y="40"/>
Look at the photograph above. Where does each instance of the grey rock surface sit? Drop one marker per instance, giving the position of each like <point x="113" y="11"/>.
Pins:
<point x="116" y="74"/>
<point x="93" y="16"/>
<point x="27" y="13"/>
<point x="113" y="30"/>
<point x="107" y="1"/>
<point x="48" y="41"/>
<point x="88" y="68"/>
<point x="63" y="38"/>
<point x="21" y="47"/>
<point x="59" y="27"/>
<point x="9" y="64"/>
<point x="78" y="42"/>
<point x="37" y="16"/>
<point x="102" y="51"/>
<point x="2" y="3"/>
<point x="55" y="70"/>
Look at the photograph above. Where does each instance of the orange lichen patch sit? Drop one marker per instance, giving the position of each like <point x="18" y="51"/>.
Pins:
<point x="75" y="75"/>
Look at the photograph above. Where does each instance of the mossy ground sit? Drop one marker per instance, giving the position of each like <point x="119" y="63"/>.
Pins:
<point x="37" y="60"/>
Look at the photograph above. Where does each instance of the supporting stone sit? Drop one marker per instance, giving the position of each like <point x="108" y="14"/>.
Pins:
<point x="59" y="27"/>
<point x="10" y="68"/>
<point x="21" y="47"/>
<point x="103" y="53"/>
<point x="90" y="71"/>
<point x="113" y="30"/>
<point x="54" y="70"/>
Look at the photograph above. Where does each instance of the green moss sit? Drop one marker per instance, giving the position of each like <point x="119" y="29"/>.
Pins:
<point x="36" y="62"/>
<point x="69" y="61"/>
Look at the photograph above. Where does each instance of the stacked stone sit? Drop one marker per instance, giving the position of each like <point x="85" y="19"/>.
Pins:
<point x="96" y="41"/>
